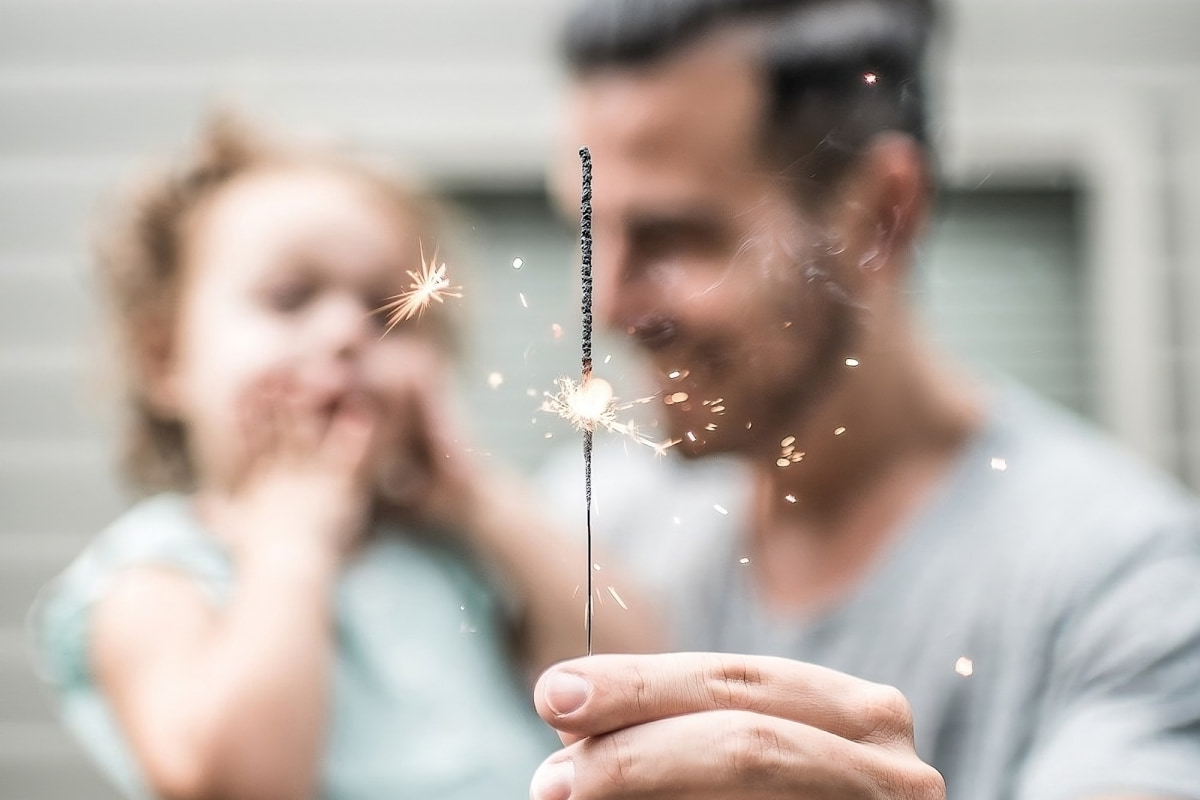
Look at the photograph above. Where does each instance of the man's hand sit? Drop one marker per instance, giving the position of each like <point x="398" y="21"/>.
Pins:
<point x="699" y="725"/>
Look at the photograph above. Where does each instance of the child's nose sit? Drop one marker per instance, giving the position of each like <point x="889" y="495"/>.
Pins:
<point x="343" y="326"/>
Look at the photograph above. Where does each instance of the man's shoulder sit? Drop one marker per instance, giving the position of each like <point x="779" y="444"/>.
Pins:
<point x="1056" y="487"/>
<point x="1061" y="461"/>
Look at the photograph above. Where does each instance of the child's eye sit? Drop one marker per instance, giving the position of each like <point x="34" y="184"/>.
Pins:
<point x="289" y="297"/>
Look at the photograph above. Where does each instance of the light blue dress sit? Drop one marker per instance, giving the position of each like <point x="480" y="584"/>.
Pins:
<point x="424" y="704"/>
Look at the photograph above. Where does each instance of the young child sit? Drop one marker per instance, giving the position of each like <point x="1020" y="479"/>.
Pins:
<point x="298" y="612"/>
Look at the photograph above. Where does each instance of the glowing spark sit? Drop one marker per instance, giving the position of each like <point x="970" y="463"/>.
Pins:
<point x="677" y="397"/>
<point x="788" y="454"/>
<point x="524" y="302"/>
<point x="495" y="380"/>
<point x="999" y="464"/>
<point x="557" y="330"/>
<point x="744" y="560"/>
<point x="429" y="284"/>
<point x="838" y="431"/>
<point x="720" y="509"/>
<point x="965" y="667"/>
<point x="691" y="437"/>
<point x="613" y="591"/>
<point x="712" y="426"/>
<point x="791" y="498"/>
<point x="518" y="262"/>
<point x="851" y="362"/>
<point x="870" y="79"/>
<point x="590" y="406"/>
<point x="661" y="448"/>
<point x="608" y="358"/>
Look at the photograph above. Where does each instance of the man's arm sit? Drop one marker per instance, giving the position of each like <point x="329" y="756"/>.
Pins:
<point x="1122" y="717"/>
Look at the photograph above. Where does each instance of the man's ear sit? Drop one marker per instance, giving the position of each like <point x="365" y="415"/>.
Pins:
<point x="882" y="205"/>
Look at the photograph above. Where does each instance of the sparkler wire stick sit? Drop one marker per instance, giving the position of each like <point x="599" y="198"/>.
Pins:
<point x="585" y="247"/>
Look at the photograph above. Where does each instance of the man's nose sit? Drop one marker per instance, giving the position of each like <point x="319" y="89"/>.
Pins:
<point x="612" y="291"/>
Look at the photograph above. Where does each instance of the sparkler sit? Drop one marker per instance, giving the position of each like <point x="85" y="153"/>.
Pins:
<point x="589" y="404"/>
<point x="585" y="248"/>
<point x="429" y="284"/>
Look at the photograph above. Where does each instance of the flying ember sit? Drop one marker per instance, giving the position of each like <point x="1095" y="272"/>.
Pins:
<point x="429" y="284"/>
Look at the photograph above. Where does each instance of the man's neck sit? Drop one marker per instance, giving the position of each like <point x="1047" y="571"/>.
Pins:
<point x="869" y="458"/>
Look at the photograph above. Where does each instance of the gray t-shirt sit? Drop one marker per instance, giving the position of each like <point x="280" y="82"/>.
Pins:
<point x="1041" y="612"/>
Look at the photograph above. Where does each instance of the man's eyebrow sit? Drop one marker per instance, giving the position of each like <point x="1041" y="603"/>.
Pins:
<point x="674" y="217"/>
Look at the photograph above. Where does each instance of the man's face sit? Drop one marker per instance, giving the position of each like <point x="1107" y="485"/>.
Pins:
<point x="702" y="257"/>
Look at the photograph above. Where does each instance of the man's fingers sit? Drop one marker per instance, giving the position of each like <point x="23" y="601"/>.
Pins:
<point x="725" y="754"/>
<point x="601" y="694"/>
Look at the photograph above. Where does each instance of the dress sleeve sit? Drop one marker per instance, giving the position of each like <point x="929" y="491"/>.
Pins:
<point x="159" y="532"/>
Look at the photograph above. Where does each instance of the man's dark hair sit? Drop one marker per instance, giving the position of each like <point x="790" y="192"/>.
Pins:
<point x="838" y="72"/>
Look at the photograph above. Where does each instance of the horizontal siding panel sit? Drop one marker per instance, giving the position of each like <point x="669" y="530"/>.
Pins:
<point x="21" y="578"/>
<point x="41" y="760"/>
<point x="48" y="212"/>
<point x="72" y="777"/>
<point x="1019" y="33"/>
<point x="46" y="308"/>
<point x="155" y="33"/>
<point x="390" y="107"/>
<point x="46" y="743"/>
<point x="52" y="492"/>
<point x="24" y="698"/>
<point x="40" y="405"/>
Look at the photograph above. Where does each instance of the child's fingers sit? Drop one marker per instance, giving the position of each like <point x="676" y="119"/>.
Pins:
<point x="434" y="427"/>
<point x="348" y="440"/>
<point x="255" y="424"/>
<point x="299" y="422"/>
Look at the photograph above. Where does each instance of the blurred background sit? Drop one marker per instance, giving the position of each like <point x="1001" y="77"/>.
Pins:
<point x="1066" y="252"/>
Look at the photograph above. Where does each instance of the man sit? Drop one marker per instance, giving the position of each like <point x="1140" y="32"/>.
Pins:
<point x="762" y="172"/>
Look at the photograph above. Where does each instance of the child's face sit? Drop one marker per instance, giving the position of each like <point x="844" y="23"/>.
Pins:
<point x="286" y="267"/>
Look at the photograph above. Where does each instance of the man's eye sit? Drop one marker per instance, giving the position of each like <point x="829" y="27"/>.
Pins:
<point x="672" y="238"/>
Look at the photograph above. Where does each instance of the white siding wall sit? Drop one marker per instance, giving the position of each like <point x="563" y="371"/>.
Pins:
<point x="1098" y="90"/>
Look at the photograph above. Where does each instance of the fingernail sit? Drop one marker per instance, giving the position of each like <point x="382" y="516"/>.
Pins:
<point x="553" y="781"/>
<point x="565" y="692"/>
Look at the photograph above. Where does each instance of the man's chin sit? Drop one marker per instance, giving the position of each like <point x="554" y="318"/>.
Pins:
<point x="692" y="450"/>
